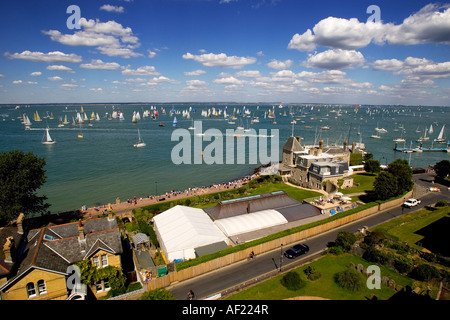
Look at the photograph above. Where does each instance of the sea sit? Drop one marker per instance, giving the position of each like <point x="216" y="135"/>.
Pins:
<point x="104" y="164"/>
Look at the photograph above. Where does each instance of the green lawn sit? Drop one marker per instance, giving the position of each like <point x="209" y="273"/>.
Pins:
<point x="325" y="286"/>
<point x="365" y="181"/>
<point x="404" y="228"/>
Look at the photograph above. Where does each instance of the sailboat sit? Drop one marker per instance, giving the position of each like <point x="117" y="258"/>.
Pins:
<point x="424" y="138"/>
<point x="80" y="135"/>
<point x="47" y="139"/>
<point x="36" y="117"/>
<point x="440" y="138"/>
<point x="140" y="142"/>
<point x="175" y="122"/>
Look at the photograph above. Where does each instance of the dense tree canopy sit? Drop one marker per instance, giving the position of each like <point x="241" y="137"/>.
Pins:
<point x="385" y="186"/>
<point x="372" y="166"/>
<point x="442" y="168"/>
<point x="21" y="175"/>
<point x="401" y="170"/>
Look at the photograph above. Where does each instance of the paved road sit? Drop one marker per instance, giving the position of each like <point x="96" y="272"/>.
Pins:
<point x="227" y="277"/>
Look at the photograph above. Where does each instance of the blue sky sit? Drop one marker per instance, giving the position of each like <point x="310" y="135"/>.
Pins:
<point x="286" y="51"/>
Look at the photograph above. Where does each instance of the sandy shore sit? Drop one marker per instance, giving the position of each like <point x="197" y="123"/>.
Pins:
<point x="135" y="202"/>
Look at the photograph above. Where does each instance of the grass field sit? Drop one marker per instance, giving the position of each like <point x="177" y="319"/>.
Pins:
<point x="407" y="227"/>
<point x="325" y="286"/>
<point x="365" y="182"/>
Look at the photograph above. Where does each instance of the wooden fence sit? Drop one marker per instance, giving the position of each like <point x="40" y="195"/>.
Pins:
<point x="234" y="257"/>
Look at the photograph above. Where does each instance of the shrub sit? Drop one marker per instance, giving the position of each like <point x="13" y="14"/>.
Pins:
<point x="350" y="279"/>
<point x="425" y="272"/>
<point x="292" y="281"/>
<point x="374" y="238"/>
<point x="376" y="256"/>
<point x="345" y="240"/>
<point x="442" y="203"/>
<point x="335" y="250"/>
<point x="158" y="294"/>
<point x="402" y="265"/>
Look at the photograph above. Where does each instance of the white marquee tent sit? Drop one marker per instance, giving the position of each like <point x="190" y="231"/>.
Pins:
<point x="182" y="229"/>
<point x="250" y="222"/>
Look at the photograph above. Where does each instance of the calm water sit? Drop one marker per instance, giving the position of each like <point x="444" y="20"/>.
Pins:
<point x="105" y="165"/>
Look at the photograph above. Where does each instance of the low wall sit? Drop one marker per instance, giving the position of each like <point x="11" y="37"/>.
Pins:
<point x="234" y="257"/>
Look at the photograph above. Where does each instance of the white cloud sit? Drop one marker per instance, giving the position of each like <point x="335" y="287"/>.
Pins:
<point x="97" y="64"/>
<point x="280" y="65"/>
<point x="151" y="54"/>
<point x="96" y="89"/>
<point x="248" y="74"/>
<point x="230" y="81"/>
<point x="220" y="60"/>
<point x="55" y="78"/>
<point x="430" y="25"/>
<point x="194" y="73"/>
<point x="110" y="38"/>
<point x="335" y="59"/>
<point x="111" y="8"/>
<point x="33" y="74"/>
<point x="412" y="66"/>
<point x="56" y="67"/>
<point x="68" y="86"/>
<point x="24" y="82"/>
<point x="52" y="57"/>
<point x="141" y="71"/>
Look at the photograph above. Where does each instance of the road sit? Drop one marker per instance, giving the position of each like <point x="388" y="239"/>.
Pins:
<point x="238" y="273"/>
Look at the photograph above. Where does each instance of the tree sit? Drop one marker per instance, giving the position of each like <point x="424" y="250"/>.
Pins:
<point x="345" y="240"/>
<point x="442" y="169"/>
<point x="385" y="185"/>
<point x="401" y="170"/>
<point x="21" y="175"/>
<point x="372" y="166"/>
<point x="158" y="294"/>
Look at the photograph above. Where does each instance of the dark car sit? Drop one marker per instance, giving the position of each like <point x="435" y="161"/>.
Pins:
<point x="296" y="251"/>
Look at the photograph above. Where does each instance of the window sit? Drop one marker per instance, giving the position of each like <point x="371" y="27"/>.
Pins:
<point x="99" y="286"/>
<point x="104" y="260"/>
<point x="31" y="290"/>
<point x="42" y="288"/>
<point x="96" y="261"/>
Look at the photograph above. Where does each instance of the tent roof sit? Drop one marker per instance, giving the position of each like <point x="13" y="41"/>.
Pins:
<point x="184" y="227"/>
<point x="250" y="222"/>
<point x="235" y="207"/>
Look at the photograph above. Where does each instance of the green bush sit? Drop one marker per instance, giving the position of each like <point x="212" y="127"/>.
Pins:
<point x="402" y="265"/>
<point x="335" y="250"/>
<point x="442" y="203"/>
<point x="374" y="238"/>
<point x="158" y="294"/>
<point x="350" y="279"/>
<point x="373" y="255"/>
<point x="311" y="273"/>
<point x="292" y="281"/>
<point x="345" y="240"/>
<point x="425" y="272"/>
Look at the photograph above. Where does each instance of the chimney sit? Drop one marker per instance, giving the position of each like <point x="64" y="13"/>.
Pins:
<point x="110" y="216"/>
<point x="345" y="145"/>
<point x="7" y="249"/>
<point x="19" y="223"/>
<point x="80" y="230"/>
<point x="353" y="147"/>
<point x="321" y="144"/>
<point x="299" y="139"/>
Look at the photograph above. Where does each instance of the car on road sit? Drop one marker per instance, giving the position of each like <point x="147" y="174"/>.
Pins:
<point x="434" y="189"/>
<point x="411" y="203"/>
<point x="296" y="251"/>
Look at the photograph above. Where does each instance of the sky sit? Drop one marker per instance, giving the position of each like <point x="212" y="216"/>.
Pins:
<point x="249" y="51"/>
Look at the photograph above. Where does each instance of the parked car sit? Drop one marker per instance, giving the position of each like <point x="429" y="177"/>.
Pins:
<point x="435" y="189"/>
<point x="296" y="251"/>
<point x="411" y="203"/>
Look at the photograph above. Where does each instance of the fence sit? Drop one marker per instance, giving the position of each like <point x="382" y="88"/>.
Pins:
<point x="234" y="257"/>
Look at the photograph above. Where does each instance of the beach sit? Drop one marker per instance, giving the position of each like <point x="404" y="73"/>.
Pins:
<point x="125" y="208"/>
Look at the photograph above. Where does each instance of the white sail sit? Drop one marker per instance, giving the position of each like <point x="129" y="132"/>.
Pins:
<point x="440" y="138"/>
<point x="431" y="129"/>
<point x="47" y="139"/>
<point x="140" y="142"/>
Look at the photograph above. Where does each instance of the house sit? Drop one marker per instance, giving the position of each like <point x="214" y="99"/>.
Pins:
<point x="312" y="166"/>
<point x="42" y="270"/>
